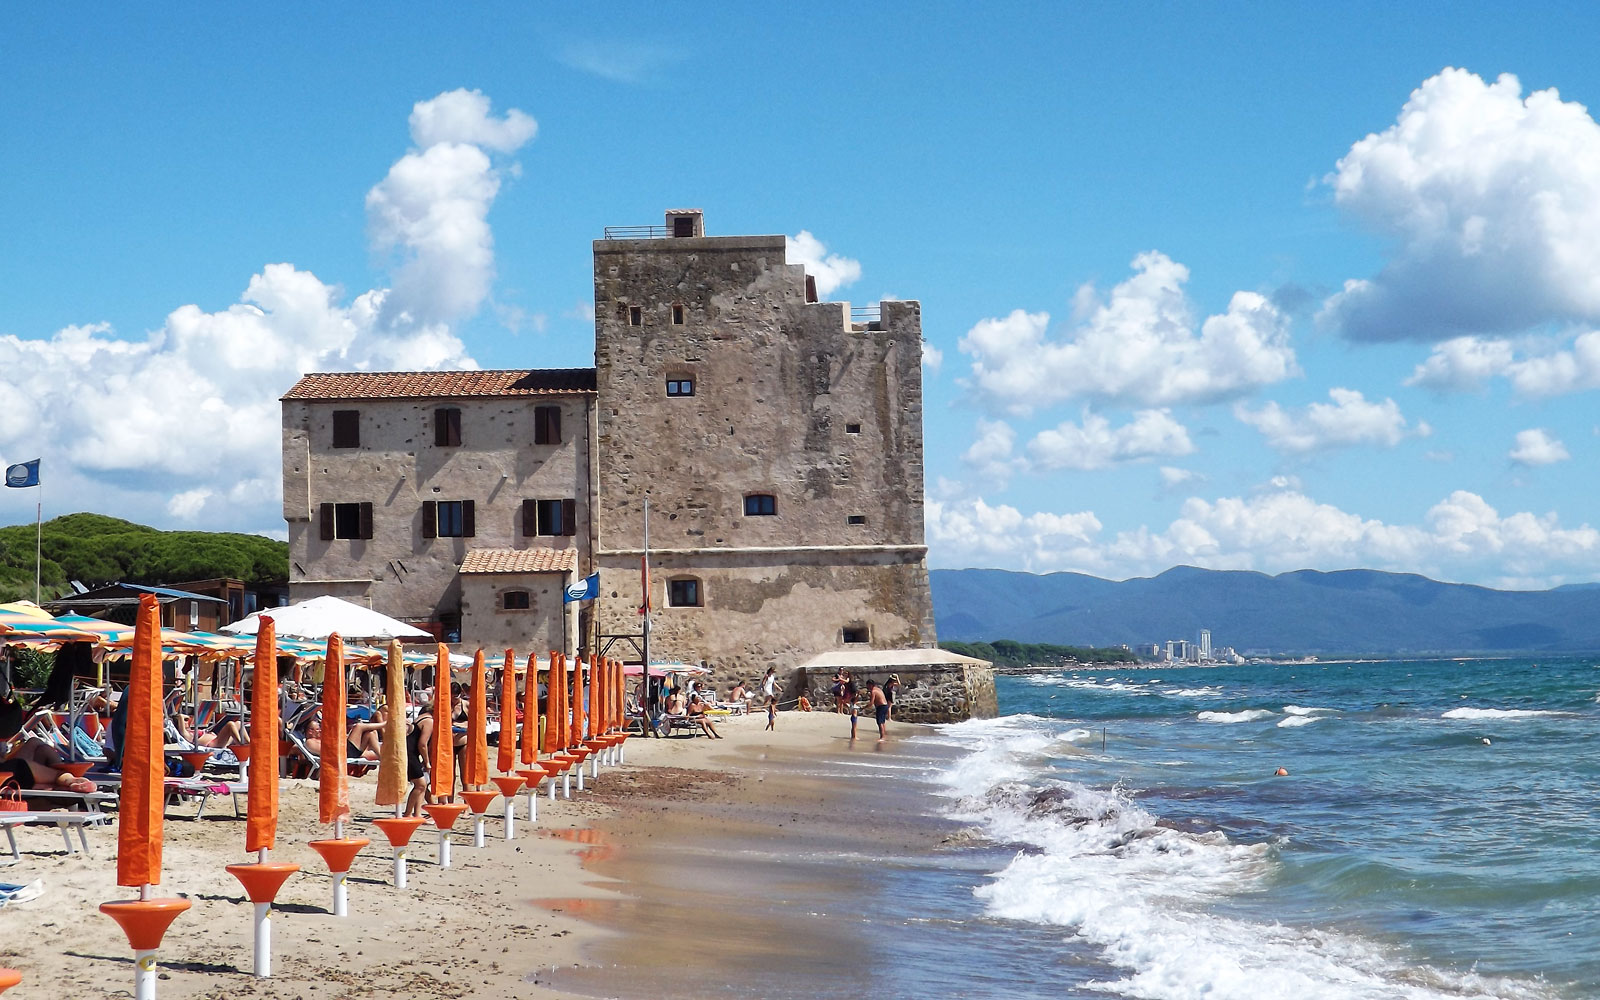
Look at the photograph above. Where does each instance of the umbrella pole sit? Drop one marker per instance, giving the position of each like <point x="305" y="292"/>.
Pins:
<point x="263" y="930"/>
<point x="511" y="814"/>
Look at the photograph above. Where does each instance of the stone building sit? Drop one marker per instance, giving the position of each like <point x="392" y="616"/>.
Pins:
<point x="777" y="438"/>
<point x="459" y="501"/>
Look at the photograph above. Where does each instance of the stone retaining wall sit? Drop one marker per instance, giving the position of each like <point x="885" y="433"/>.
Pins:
<point x="929" y="692"/>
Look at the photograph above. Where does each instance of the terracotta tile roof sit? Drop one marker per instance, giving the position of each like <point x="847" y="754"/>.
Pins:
<point x="392" y="385"/>
<point x="536" y="560"/>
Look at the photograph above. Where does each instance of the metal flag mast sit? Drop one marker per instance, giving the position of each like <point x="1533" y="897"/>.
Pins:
<point x="38" y="535"/>
<point x="644" y="584"/>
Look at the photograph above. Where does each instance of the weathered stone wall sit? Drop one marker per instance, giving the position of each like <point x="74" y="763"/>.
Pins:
<point x="396" y="468"/>
<point x="791" y="399"/>
<point x="547" y="624"/>
<point x="929" y="692"/>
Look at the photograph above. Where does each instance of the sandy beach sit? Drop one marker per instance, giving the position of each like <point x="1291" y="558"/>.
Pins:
<point x="573" y="906"/>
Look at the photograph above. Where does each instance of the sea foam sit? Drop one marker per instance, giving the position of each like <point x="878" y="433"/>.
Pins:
<point x="1248" y="715"/>
<point x="1496" y="713"/>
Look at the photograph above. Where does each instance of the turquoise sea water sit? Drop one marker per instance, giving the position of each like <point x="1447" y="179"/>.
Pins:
<point x="1435" y="836"/>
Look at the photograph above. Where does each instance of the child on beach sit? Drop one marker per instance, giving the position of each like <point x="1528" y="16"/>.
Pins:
<point x="772" y="715"/>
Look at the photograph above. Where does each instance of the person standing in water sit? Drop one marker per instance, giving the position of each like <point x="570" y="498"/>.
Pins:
<point x="880" y="710"/>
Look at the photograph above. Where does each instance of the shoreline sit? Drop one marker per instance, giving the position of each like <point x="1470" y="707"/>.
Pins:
<point x="564" y="895"/>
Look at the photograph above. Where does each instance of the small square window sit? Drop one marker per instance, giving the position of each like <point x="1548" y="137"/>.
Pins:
<point x="347" y="428"/>
<point x="760" y="505"/>
<point x="852" y="428"/>
<point x="855" y="634"/>
<point x="635" y="316"/>
<point x="684" y="593"/>
<point x="547" y="425"/>
<point x="514" y="600"/>
<point x="677" y="315"/>
<point x="856" y="519"/>
<point x="680" y="387"/>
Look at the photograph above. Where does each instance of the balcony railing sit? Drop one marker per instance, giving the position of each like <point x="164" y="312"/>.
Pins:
<point x="872" y="313"/>
<point x="637" y="232"/>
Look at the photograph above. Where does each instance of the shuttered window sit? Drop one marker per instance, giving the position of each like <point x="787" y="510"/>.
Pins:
<point x="447" y="427"/>
<point x="347" y="428"/>
<point x="549" y="517"/>
<point x="448" y="519"/>
<point x="547" y="425"/>
<point x="344" y="520"/>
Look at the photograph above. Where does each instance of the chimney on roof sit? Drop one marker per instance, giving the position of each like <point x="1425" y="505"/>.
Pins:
<point x="686" y="222"/>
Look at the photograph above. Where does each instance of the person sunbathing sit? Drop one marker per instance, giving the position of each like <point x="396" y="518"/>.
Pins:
<point x="312" y="734"/>
<point x="36" y="764"/>
<point x="697" y="712"/>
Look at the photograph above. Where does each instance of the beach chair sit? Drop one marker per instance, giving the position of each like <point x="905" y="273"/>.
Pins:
<point x="355" y="767"/>
<point x="66" y="821"/>
<point x="203" y="789"/>
<point x="87" y="801"/>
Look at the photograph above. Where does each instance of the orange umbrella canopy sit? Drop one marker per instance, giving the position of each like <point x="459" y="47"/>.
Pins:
<point x="475" y="759"/>
<point x="578" y="715"/>
<point x="614" y="694"/>
<point x="530" y="711"/>
<point x="443" y="780"/>
<point x="391" y="755"/>
<point x="555" y="729"/>
<point x="143" y="797"/>
<point x="333" y="790"/>
<point x="261" y="824"/>
<point x="505" y="757"/>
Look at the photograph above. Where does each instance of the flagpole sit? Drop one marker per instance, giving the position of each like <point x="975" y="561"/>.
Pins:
<point x="38" y="536"/>
<point x="645" y="583"/>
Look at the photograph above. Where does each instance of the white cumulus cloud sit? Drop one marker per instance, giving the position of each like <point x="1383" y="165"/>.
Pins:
<point x="1141" y="344"/>
<point x="1492" y="202"/>
<point x="1536" y="447"/>
<point x="1095" y="444"/>
<point x="1351" y="419"/>
<point x="990" y="454"/>
<point x="831" y="271"/>
<point x="1468" y="363"/>
<point x="185" y="421"/>
<point x="1462" y="537"/>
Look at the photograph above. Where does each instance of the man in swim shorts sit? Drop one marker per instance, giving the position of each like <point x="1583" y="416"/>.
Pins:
<point x="880" y="710"/>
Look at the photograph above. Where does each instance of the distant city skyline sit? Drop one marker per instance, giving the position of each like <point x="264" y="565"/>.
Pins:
<point x="1271" y="289"/>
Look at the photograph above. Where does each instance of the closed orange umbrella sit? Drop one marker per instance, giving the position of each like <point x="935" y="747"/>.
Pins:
<point x="143" y="798"/>
<point x="597" y="696"/>
<point x="530" y="711"/>
<point x="333" y="791"/>
<point x="555" y="730"/>
<point x="475" y="759"/>
<point x="261" y="824"/>
<point x="505" y="757"/>
<point x="578" y="712"/>
<point x="443" y="780"/>
<point x="391" y="755"/>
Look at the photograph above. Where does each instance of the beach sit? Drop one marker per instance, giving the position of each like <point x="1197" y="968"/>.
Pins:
<point x="570" y="907"/>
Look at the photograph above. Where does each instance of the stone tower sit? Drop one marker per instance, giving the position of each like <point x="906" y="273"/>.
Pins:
<point x="779" y="441"/>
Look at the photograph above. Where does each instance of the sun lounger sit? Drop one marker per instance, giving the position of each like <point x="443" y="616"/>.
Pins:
<point x="204" y="788"/>
<point x="64" y="820"/>
<point x="89" y="801"/>
<point x="354" y="766"/>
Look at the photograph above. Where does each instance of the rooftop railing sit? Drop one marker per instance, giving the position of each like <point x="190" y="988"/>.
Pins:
<point x="872" y="313"/>
<point x="637" y="232"/>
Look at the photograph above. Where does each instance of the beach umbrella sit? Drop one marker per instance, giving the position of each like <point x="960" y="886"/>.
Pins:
<point x="443" y="779"/>
<point x="555" y="711"/>
<point x="530" y="711"/>
<point x="475" y="755"/>
<point x="141" y="805"/>
<point x="392" y="754"/>
<point x="333" y="786"/>
<point x="475" y="759"/>
<point x="263" y="879"/>
<point x="579" y="715"/>
<point x="321" y="617"/>
<point x="392" y="781"/>
<point x="506" y="749"/>
<point x="505" y="757"/>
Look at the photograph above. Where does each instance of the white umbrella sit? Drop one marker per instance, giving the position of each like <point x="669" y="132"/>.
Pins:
<point x="322" y="616"/>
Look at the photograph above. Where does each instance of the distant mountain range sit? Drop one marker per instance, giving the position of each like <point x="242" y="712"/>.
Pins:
<point x="1351" y="611"/>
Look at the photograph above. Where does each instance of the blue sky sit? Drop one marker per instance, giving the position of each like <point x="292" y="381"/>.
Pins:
<point x="1132" y="232"/>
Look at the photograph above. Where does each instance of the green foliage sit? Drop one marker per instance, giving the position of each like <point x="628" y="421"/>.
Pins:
<point x="1011" y="653"/>
<point x="31" y="668"/>
<point x="97" y="550"/>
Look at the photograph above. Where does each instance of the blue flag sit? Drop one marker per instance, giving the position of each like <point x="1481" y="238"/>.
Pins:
<point x="584" y="590"/>
<point x="23" y="474"/>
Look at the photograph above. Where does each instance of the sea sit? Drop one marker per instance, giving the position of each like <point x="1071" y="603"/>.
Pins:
<point x="1122" y="832"/>
<point x="1434" y="835"/>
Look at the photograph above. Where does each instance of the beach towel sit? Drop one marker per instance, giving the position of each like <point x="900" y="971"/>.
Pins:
<point x="12" y="893"/>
